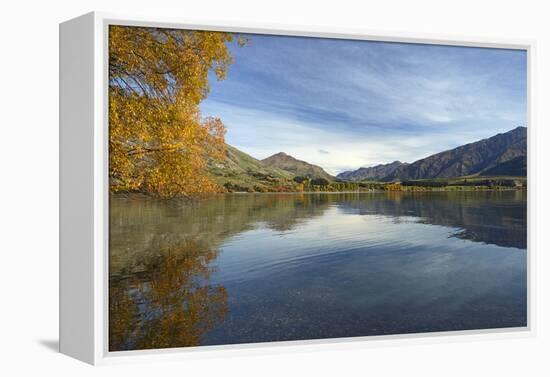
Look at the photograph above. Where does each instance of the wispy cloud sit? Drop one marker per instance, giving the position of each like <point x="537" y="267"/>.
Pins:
<point x="365" y="102"/>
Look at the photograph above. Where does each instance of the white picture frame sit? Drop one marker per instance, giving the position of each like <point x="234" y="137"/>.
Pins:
<point x="84" y="192"/>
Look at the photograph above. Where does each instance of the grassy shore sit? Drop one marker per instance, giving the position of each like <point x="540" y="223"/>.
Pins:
<point x="438" y="184"/>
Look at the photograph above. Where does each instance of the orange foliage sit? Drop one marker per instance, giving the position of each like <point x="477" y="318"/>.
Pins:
<point x="158" y="140"/>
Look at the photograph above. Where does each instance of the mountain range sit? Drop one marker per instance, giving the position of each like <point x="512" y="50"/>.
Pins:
<point x="242" y="172"/>
<point x="372" y="173"/>
<point x="502" y="154"/>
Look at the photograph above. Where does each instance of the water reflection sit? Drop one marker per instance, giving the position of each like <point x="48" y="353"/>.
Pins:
<point x="167" y="301"/>
<point x="498" y="218"/>
<point x="265" y="267"/>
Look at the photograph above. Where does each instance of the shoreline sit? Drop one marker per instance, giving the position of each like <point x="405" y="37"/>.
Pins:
<point x="373" y="191"/>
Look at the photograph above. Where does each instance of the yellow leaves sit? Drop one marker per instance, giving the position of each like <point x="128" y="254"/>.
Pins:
<point x="157" y="78"/>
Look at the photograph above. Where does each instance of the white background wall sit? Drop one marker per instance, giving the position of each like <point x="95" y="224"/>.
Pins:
<point x="29" y="185"/>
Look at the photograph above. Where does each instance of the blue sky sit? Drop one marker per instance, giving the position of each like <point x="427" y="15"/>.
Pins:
<point x="344" y="104"/>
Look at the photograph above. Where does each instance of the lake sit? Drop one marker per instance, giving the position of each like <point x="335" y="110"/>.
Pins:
<point x="246" y="268"/>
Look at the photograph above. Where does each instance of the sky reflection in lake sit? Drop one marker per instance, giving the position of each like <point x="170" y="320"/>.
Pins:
<point x="268" y="267"/>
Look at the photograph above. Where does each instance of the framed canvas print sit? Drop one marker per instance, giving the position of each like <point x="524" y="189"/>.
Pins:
<point x="225" y="187"/>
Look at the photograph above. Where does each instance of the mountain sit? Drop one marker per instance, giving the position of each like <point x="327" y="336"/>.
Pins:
<point x="373" y="173"/>
<point x="502" y="154"/>
<point x="516" y="167"/>
<point x="242" y="172"/>
<point x="468" y="159"/>
<point x="296" y="167"/>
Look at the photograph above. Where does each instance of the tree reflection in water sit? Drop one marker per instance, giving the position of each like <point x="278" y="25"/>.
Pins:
<point x="162" y="253"/>
<point x="169" y="302"/>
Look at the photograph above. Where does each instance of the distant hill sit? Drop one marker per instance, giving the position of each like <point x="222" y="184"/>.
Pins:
<point x="373" y="173"/>
<point x="240" y="172"/>
<point x="502" y="154"/>
<point x="296" y="167"/>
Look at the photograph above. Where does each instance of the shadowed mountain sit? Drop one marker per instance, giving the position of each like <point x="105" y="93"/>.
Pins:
<point x="297" y="167"/>
<point x="503" y="154"/>
<point x="468" y="159"/>
<point x="516" y="167"/>
<point x="373" y="173"/>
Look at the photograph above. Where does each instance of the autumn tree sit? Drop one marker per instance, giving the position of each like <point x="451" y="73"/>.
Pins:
<point x="158" y="140"/>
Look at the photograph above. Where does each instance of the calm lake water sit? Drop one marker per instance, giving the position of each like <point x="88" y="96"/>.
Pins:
<point x="273" y="267"/>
